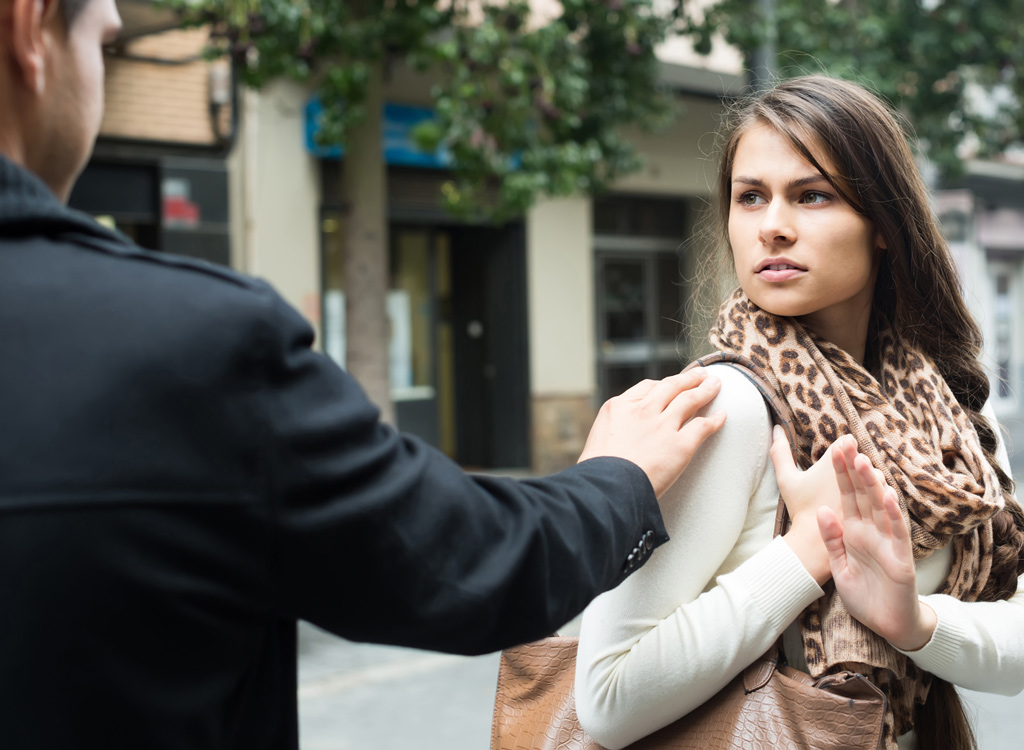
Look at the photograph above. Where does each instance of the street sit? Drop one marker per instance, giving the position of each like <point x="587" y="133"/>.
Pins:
<point x="362" y="697"/>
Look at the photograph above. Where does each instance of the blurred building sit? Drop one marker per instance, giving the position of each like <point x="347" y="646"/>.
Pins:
<point x="504" y="339"/>
<point x="982" y="214"/>
<point x="159" y="170"/>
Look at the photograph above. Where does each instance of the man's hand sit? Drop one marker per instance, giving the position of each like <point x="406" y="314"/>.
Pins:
<point x="653" y="424"/>
<point x="871" y="557"/>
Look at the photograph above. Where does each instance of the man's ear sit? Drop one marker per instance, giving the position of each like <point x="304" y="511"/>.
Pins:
<point x="28" y="26"/>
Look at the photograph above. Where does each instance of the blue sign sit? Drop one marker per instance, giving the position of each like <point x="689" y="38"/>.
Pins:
<point x="397" y="143"/>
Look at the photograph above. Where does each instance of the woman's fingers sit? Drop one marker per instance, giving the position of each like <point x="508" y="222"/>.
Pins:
<point x="874" y="486"/>
<point x="900" y="532"/>
<point x="831" y="530"/>
<point x="860" y="489"/>
<point x="847" y="491"/>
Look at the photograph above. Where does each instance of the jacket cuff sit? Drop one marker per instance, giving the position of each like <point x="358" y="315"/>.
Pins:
<point x="648" y="524"/>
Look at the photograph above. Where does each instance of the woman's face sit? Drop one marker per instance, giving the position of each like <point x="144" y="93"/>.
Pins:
<point x="799" y="249"/>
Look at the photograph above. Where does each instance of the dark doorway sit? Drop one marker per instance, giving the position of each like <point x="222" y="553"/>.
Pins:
<point x="490" y="336"/>
<point x="460" y="374"/>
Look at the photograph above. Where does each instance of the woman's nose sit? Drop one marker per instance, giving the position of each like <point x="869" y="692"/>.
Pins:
<point x="776" y="224"/>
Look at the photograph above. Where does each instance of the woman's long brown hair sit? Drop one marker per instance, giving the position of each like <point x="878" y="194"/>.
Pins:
<point x="918" y="288"/>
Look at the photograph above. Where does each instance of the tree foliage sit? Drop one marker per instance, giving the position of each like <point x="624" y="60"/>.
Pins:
<point x="954" y="67"/>
<point x="525" y="106"/>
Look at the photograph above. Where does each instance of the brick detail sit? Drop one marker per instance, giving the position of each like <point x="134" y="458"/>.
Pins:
<point x="151" y="101"/>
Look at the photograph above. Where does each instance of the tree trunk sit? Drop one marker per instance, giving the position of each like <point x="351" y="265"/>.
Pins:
<point x="366" y="272"/>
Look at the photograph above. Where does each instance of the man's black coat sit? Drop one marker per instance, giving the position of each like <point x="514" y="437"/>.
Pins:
<point x="182" y="478"/>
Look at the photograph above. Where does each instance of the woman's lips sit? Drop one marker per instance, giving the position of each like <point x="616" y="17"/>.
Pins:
<point x="779" y="270"/>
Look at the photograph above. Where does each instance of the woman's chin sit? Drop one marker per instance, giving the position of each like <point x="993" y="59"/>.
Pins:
<point x="776" y="304"/>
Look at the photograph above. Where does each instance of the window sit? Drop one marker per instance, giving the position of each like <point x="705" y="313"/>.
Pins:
<point x="640" y="290"/>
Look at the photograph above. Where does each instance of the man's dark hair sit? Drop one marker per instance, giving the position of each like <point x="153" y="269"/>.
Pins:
<point x="70" y="9"/>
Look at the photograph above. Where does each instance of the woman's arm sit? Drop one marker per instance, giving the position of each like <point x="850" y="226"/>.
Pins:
<point x="672" y="635"/>
<point x="976" y="645"/>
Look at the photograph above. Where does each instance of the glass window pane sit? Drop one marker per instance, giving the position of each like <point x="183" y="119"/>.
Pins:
<point x="619" y="378"/>
<point x="611" y="215"/>
<point x="410" y="308"/>
<point x="666" y="367"/>
<point x="670" y="296"/>
<point x="640" y="216"/>
<point x="658" y="217"/>
<point x="622" y="299"/>
<point x="332" y="315"/>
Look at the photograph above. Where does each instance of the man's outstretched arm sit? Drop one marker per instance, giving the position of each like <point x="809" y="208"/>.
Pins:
<point x="379" y="537"/>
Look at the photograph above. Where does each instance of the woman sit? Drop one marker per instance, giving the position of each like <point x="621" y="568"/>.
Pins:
<point x="849" y="302"/>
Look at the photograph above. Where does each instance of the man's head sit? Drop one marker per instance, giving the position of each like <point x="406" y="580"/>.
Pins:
<point x="51" y="84"/>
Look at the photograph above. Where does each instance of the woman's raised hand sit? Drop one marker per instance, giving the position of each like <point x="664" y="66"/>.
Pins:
<point x="870" y="555"/>
<point x="804" y="492"/>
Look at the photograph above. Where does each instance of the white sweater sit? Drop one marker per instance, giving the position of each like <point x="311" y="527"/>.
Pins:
<point x="722" y="591"/>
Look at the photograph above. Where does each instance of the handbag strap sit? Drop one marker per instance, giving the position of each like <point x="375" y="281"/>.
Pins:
<point x="780" y="412"/>
<point x="757" y="674"/>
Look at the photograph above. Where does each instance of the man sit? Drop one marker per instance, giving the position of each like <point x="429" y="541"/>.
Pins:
<point x="182" y="477"/>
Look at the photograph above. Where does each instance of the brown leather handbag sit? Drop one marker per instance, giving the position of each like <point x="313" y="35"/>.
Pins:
<point x="768" y="705"/>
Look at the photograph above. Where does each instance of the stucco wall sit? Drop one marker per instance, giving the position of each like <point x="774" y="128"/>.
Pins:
<point x="275" y="197"/>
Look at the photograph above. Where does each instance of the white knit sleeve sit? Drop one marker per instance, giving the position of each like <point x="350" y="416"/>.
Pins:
<point x="707" y="603"/>
<point x="978" y="645"/>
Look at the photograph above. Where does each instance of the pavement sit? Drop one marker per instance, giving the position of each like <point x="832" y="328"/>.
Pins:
<point x="364" y="697"/>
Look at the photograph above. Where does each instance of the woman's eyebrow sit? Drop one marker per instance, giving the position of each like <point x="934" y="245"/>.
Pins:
<point x="801" y="182"/>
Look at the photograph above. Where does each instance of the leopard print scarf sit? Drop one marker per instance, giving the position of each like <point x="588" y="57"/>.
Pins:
<point x="911" y="427"/>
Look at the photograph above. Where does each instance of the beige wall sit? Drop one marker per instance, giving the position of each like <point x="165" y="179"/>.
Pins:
<point x="560" y="283"/>
<point x="560" y="250"/>
<point x="680" y="160"/>
<point x="275" y="197"/>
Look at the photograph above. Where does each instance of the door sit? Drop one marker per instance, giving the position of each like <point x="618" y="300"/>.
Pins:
<point x="489" y="328"/>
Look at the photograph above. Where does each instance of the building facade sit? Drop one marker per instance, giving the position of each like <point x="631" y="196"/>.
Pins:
<point x="505" y="340"/>
<point x="159" y="170"/>
<point x="982" y="214"/>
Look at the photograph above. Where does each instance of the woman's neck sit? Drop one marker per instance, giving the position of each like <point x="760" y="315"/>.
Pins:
<point x="848" y="332"/>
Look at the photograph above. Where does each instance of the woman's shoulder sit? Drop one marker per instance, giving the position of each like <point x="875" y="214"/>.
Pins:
<point x="740" y="449"/>
<point x="739" y="398"/>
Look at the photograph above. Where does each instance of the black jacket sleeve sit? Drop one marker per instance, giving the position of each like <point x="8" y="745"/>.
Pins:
<point x="379" y="537"/>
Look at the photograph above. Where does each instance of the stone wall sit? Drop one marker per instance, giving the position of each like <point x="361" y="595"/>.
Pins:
<point x="560" y="427"/>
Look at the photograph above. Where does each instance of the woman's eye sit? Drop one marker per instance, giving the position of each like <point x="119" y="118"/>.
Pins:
<point x="749" y="199"/>
<point x="814" y="197"/>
